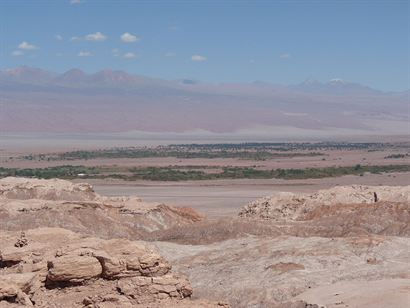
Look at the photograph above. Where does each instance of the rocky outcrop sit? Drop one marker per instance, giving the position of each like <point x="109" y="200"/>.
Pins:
<point x="60" y="268"/>
<point x="73" y="268"/>
<point x="33" y="203"/>
<point x="54" y="189"/>
<point x="283" y="250"/>
<point x="268" y="271"/>
<point x="293" y="206"/>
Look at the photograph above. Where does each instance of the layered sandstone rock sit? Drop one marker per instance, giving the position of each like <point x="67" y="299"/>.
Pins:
<point x="54" y="189"/>
<point x="60" y="268"/>
<point x="33" y="203"/>
<point x="295" y="206"/>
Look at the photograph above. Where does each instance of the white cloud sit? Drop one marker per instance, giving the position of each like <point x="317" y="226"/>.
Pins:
<point x="75" y="1"/>
<point x="17" y="53"/>
<point x="59" y="37"/>
<point x="84" y="54"/>
<point x="198" y="58"/>
<point x="26" y="46"/>
<point x="97" y="37"/>
<point x="170" y="54"/>
<point x="75" y="38"/>
<point x="129" y="38"/>
<point x="285" y="56"/>
<point x="129" y="55"/>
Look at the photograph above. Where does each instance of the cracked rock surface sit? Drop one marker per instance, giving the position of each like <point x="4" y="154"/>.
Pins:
<point x="60" y="268"/>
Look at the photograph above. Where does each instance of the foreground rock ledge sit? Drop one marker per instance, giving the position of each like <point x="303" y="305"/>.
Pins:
<point x="60" y="268"/>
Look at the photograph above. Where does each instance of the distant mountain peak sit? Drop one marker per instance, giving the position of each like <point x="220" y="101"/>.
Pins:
<point x="28" y="74"/>
<point x="335" y="86"/>
<point x="75" y="72"/>
<point x="112" y="76"/>
<point x="24" y="69"/>
<point x="71" y="76"/>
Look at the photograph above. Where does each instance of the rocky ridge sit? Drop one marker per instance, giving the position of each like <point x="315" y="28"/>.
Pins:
<point x="63" y="245"/>
<point x="59" y="268"/>
<point x="295" y="206"/>
<point x="288" y="247"/>
<point x="32" y="203"/>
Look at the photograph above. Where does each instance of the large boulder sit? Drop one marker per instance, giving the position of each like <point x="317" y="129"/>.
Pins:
<point x="71" y="270"/>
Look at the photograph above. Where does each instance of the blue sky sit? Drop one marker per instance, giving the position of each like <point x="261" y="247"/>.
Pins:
<point x="282" y="42"/>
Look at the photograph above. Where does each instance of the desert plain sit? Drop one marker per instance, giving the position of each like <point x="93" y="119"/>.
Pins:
<point x="215" y="225"/>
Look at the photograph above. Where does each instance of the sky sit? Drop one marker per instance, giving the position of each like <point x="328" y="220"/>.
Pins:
<point x="283" y="42"/>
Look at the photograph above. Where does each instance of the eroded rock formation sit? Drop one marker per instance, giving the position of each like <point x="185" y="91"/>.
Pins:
<point x="296" y="206"/>
<point x="66" y="246"/>
<point x="32" y="203"/>
<point x="60" y="268"/>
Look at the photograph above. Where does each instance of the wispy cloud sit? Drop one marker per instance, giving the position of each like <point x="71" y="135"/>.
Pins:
<point x="17" y="53"/>
<point x="94" y="37"/>
<point x="285" y="56"/>
<point x="97" y="37"/>
<point x="129" y="38"/>
<point x="198" y="58"/>
<point x="84" y="54"/>
<point x="58" y="37"/>
<point x="129" y="55"/>
<point x="75" y="1"/>
<point x="170" y="54"/>
<point x="26" y="46"/>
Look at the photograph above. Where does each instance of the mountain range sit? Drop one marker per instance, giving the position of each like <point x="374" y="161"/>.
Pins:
<point x="36" y="100"/>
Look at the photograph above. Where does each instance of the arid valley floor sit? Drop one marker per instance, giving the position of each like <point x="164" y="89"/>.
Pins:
<point x="245" y="225"/>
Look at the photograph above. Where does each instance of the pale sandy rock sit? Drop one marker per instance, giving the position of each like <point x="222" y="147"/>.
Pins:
<point x="10" y="292"/>
<point x="330" y="241"/>
<point x="60" y="268"/>
<point x="146" y="289"/>
<point x="26" y="282"/>
<point x="384" y="293"/>
<point x="71" y="268"/>
<point x="266" y="271"/>
<point x="54" y="189"/>
<point x="112" y="267"/>
<point x="31" y="203"/>
<point x="294" y="206"/>
<point x="153" y="265"/>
